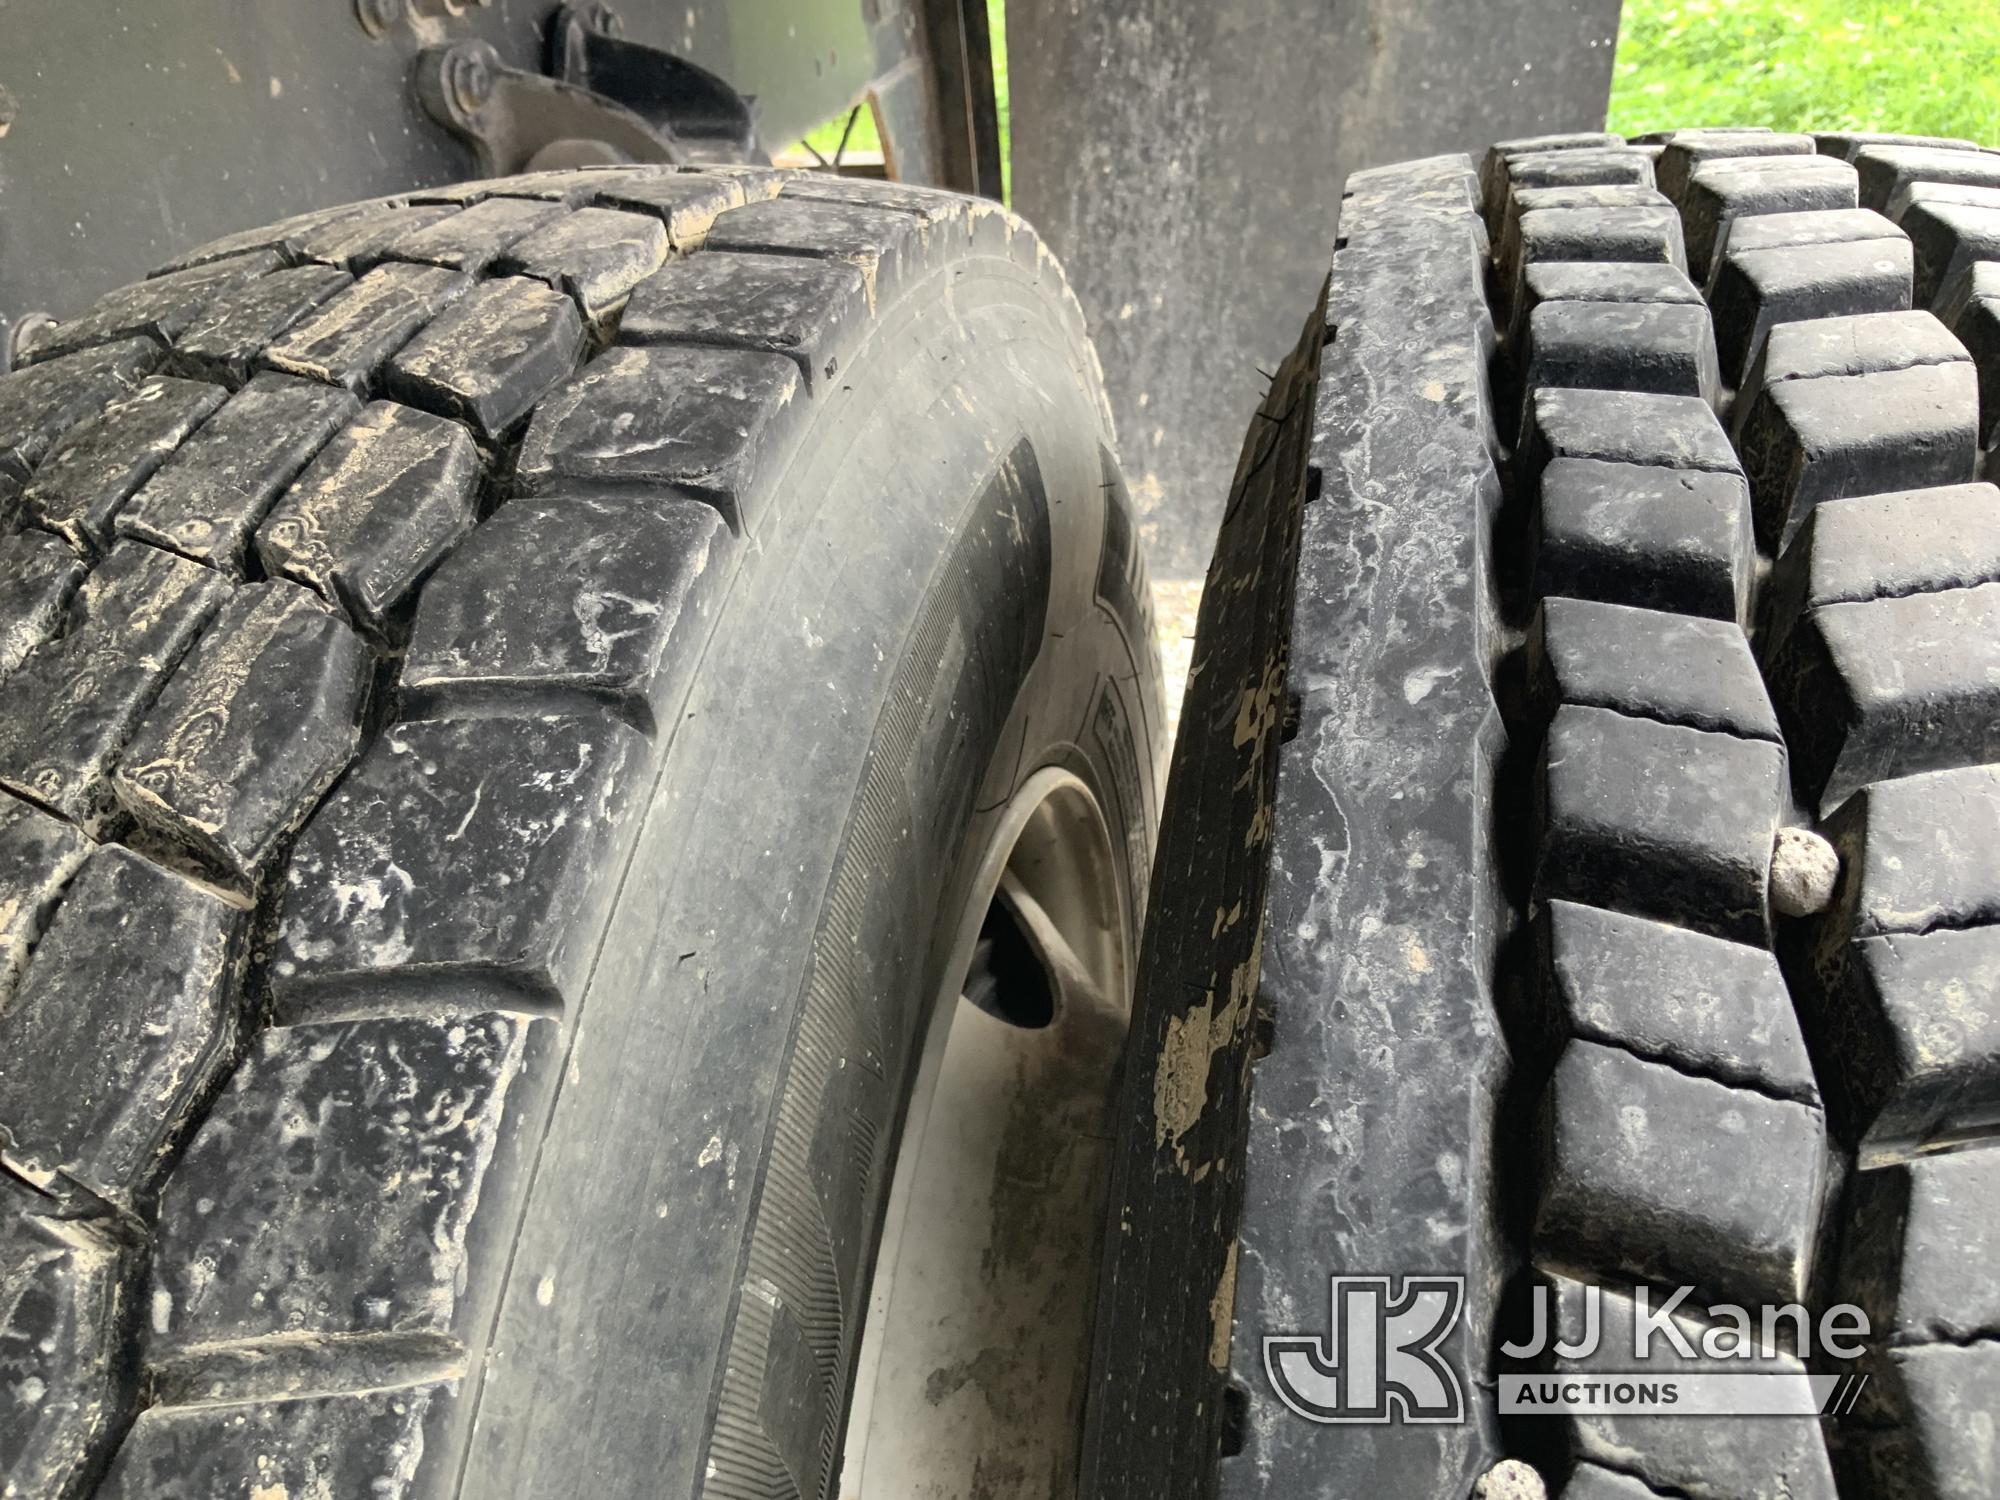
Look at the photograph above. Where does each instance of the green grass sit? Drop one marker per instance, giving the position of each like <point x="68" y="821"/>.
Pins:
<point x="826" y="139"/>
<point x="1927" y="67"/>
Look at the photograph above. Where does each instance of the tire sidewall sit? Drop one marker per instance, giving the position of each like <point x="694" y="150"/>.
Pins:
<point x="944" y="580"/>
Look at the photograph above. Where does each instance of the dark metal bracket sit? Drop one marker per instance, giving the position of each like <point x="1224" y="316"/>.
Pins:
<point x="610" y="100"/>
<point x="689" y="104"/>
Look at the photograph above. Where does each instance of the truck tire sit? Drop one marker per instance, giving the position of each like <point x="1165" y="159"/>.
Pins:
<point x="510" y="696"/>
<point x="1636" y="866"/>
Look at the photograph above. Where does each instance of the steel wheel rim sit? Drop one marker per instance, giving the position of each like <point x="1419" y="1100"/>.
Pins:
<point x="975" y="1355"/>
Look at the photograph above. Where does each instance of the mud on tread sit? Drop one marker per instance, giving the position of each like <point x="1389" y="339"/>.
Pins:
<point x="226" y="490"/>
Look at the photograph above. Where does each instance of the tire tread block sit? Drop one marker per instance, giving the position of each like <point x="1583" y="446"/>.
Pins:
<point x="1757" y="289"/>
<point x="1609" y="165"/>
<point x="1608" y="281"/>
<point x="1847" y="144"/>
<point x="572" y="187"/>
<point x="1555" y="177"/>
<point x="1916" y="854"/>
<point x="347" y="341"/>
<point x="1493" y="173"/>
<point x="1947" y="238"/>
<point x="373" y="513"/>
<point x="1843" y="436"/>
<point x="1688" y="152"/>
<point x="1892" y="687"/>
<point x="1622" y="427"/>
<point x="1724" y="192"/>
<point x="388" y="496"/>
<point x="1435" y="184"/>
<point x="229" y="338"/>
<point x="934" y="206"/>
<point x="40" y="403"/>
<point x="696" y="421"/>
<point x="594" y="256"/>
<point x="97" y="467"/>
<point x="1636" y="233"/>
<point x="1598" y="281"/>
<point x="206" y="500"/>
<point x="159" y="309"/>
<point x="1648" y="664"/>
<point x="1977" y="282"/>
<point x="1945" y="1447"/>
<point x="1921" y="1244"/>
<point x="1863" y="344"/>
<point x="1969" y="195"/>
<point x="1673" y="1179"/>
<point x="810" y="312"/>
<point x="1511" y="249"/>
<point x="62" y="1303"/>
<point x="473" y="238"/>
<point x="883" y="244"/>
<point x="419" y="1119"/>
<point x="39" y="575"/>
<point x="489" y="357"/>
<point x="1720" y="1458"/>
<point x="687" y="202"/>
<point x="358" y="242"/>
<point x="1793" y="231"/>
<point x="369" y="1444"/>
<point x="1659" y="820"/>
<point x="1972" y="309"/>
<point x="246" y="737"/>
<point x="1885" y="546"/>
<point x="578" y="595"/>
<point x="1662" y="348"/>
<point x="128" y="1009"/>
<point x="1888" y="172"/>
<point x="1911" y="1029"/>
<point x="282" y="237"/>
<point x="1662" y="993"/>
<point x="382" y="888"/>
<point x="39" y="853"/>
<point x="75" y="702"/>
<point x="1656" y="538"/>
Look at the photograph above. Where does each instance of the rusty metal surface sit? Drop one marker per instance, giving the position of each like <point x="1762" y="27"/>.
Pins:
<point x="1185" y="159"/>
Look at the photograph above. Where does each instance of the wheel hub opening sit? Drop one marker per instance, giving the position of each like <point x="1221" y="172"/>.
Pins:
<point x="1009" y="977"/>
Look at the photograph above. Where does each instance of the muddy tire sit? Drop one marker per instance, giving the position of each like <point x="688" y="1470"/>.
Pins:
<point x="1634" y="871"/>
<point x="503" y="687"/>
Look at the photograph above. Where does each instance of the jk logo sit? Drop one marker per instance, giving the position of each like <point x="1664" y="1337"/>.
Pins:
<point x="1378" y="1359"/>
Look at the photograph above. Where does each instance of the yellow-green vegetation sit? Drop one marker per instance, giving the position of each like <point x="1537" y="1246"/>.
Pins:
<point x="826" y="139"/>
<point x="1926" y="67"/>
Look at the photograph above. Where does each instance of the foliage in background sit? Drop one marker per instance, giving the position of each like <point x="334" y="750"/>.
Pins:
<point x="826" y="139"/>
<point x="996" y="22"/>
<point x="1927" y="67"/>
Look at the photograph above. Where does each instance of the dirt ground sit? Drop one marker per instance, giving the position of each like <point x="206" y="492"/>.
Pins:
<point x="1175" y="601"/>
